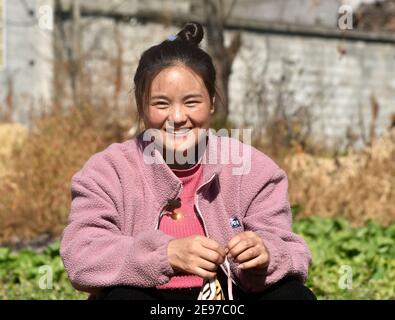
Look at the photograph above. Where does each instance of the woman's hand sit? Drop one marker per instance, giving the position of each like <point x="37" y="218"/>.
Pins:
<point x="248" y="249"/>
<point x="196" y="255"/>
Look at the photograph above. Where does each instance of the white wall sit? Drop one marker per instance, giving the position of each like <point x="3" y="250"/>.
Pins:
<point x="28" y="50"/>
<point x="335" y="87"/>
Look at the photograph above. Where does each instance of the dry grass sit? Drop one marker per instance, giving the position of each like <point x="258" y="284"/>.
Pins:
<point x="359" y="186"/>
<point x="12" y="136"/>
<point x="36" y="189"/>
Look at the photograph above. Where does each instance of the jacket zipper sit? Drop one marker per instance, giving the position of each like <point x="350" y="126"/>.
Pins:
<point x="163" y="209"/>
<point x="197" y="209"/>
<point x="201" y="216"/>
<point x="197" y="203"/>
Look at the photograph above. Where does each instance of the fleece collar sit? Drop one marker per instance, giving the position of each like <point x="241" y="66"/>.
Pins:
<point x="164" y="183"/>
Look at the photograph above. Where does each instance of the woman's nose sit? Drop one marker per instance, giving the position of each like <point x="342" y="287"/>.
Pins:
<point x="177" y="114"/>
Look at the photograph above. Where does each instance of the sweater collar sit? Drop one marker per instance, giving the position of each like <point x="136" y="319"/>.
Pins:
<point x="163" y="182"/>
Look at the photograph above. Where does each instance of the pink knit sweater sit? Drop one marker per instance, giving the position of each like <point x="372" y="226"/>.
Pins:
<point x="187" y="225"/>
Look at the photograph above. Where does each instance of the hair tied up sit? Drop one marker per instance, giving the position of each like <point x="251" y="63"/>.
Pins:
<point x="192" y="32"/>
<point x="181" y="48"/>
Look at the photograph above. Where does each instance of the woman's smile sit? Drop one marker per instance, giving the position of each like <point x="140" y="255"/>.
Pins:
<point x="180" y="107"/>
<point x="179" y="133"/>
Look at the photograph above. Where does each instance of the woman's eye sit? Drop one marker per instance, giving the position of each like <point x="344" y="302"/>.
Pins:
<point x="161" y="104"/>
<point x="191" y="103"/>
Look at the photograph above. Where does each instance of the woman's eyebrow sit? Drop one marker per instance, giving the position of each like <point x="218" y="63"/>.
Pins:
<point x="159" y="97"/>
<point x="193" y="95"/>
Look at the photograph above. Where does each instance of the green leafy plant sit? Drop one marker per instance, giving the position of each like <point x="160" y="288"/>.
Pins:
<point x="368" y="251"/>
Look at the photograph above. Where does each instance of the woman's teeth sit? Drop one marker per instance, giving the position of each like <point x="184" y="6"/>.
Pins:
<point x="179" y="132"/>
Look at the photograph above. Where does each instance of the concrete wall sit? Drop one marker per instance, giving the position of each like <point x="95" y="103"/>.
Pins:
<point x="27" y="72"/>
<point x="334" y="79"/>
<point x="330" y="78"/>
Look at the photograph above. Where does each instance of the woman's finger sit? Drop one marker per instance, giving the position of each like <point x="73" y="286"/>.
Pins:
<point x="212" y="245"/>
<point x="207" y="265"/>
<point x="259" y="262"/>
<point x="249" y="254"/>
<point x="241" y="246"/>
<point x="212" y="256"/>
<point x="204" y="273"/>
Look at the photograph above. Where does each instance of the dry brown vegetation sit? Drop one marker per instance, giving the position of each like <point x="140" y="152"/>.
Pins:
<point x="35" y="188"/>
<point x="359" y="186"/>
<point x="12" y="135"/>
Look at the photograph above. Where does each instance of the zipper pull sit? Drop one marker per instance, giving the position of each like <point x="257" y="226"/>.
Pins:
<point x="174" y="203"/>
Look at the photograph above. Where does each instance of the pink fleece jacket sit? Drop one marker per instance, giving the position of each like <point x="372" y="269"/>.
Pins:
<point x="112" y="237"/>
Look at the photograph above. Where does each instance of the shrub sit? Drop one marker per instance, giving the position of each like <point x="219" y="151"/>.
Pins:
<point x="36" y="192"/>
<point x="336" y="247"/>
<point x="358" y="186"/>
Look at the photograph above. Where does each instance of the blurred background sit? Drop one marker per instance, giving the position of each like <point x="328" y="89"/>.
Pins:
<point x="314" y="79"/>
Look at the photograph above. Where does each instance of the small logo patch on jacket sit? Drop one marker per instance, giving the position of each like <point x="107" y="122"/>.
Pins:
<point x="235" y="223"/>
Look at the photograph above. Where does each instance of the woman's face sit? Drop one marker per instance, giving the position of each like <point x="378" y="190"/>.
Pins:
<point x="179" y="105"/>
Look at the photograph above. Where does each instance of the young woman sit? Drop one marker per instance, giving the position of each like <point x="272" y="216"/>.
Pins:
<point x="162" y="216"/>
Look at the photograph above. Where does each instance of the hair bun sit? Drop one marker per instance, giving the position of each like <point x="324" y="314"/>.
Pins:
<point x="192" y="32"/>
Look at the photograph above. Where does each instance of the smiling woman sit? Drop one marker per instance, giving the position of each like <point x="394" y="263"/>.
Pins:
<point x="175" y="91"/>
<point x="175" y="230"/>
<point x="180" y="107"/>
